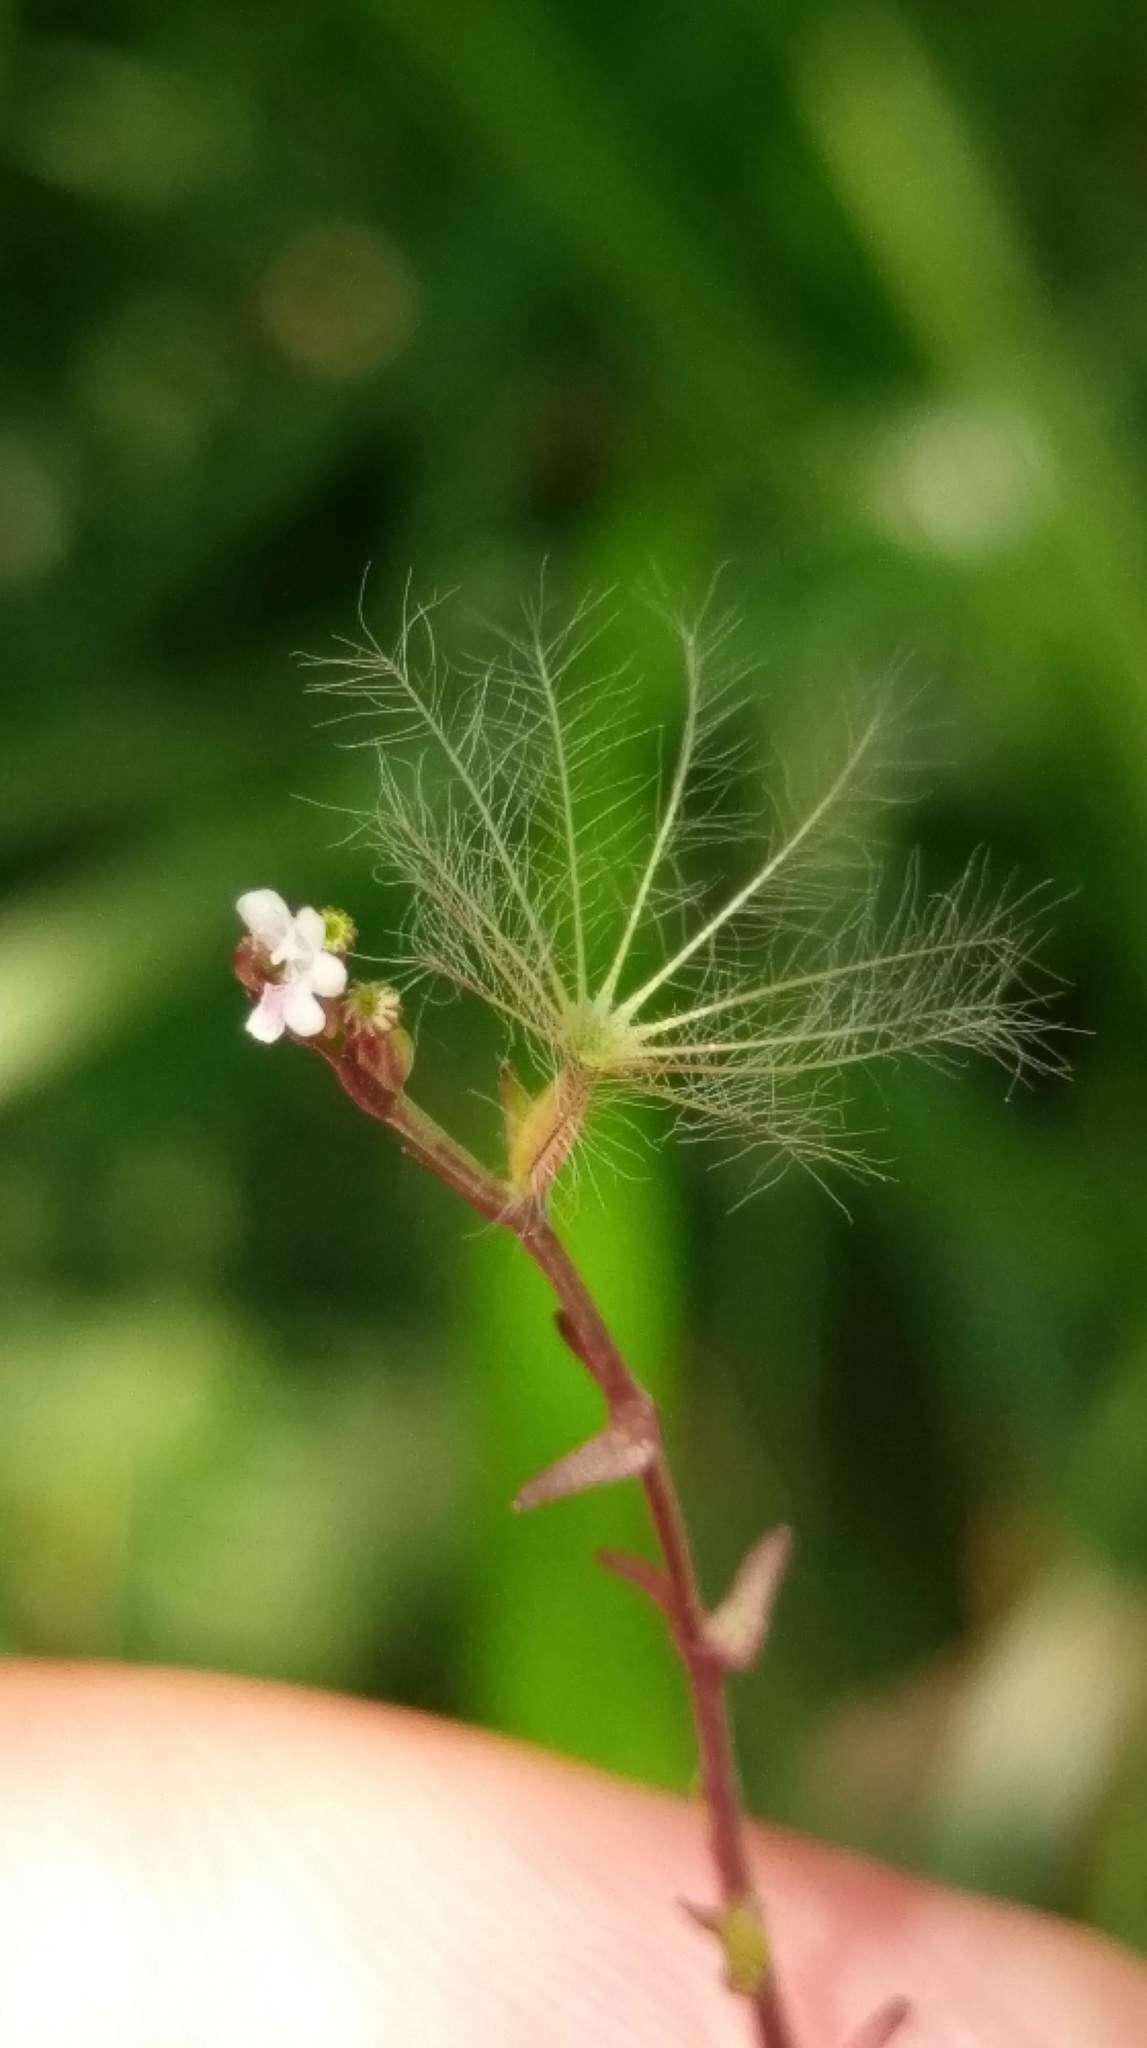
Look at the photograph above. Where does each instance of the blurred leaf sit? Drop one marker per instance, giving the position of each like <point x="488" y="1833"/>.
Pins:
<point x="1105" y="1484"/>
<point x="560" y="1653"/>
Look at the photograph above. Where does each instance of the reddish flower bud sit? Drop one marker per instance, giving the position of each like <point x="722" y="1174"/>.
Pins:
<point x="375" y="1039"/>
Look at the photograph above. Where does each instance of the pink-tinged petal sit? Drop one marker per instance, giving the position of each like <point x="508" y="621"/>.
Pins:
<point x="310" y="926"/>
<point x="265" y="915"/>
<point x="302" y="1010"/>
<point x="266" y="1020"/>
<point x="328" y="975"/>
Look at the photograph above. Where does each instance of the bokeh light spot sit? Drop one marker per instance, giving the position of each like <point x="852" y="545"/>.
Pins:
<point x="159" y="377"/>
<point x="339" y="301"/>
<point x="960" y="480"/>
<point x="34" y="524"/>
<point x="116" y="127"/>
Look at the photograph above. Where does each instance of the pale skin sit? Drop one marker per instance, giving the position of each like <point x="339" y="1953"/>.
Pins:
<point x="199" y="1862"/>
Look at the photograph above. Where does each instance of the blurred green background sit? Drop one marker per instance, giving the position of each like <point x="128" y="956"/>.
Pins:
<point x="855" y="301"/>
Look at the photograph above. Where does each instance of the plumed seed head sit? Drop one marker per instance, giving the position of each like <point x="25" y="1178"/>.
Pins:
<point x="552" y="876"/>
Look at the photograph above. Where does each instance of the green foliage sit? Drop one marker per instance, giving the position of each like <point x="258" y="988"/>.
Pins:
<point x="855" y="303"/>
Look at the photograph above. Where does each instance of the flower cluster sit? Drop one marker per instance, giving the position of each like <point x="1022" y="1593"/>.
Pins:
<point x="300" y="966"/>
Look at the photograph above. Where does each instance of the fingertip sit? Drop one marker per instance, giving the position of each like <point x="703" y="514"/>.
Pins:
<point x="288" y="1867"/>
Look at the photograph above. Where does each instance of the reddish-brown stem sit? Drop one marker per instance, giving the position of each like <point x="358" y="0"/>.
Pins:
<point x="587" y="1335"/>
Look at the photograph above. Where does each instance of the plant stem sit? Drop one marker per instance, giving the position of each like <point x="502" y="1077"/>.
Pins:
<point x="374" y="1078"/>
<point x="587" y="1336"/>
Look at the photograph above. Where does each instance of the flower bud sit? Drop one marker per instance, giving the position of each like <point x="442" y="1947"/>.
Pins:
<point x="339" y="931"/>
<point x="372" y="1006"/>
<point x="375" y="1039"/>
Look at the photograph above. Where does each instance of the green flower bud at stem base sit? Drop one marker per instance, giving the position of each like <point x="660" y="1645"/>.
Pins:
<point x="740" y="1931"/>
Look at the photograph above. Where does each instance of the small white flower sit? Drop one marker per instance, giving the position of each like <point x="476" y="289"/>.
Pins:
<point x="294" y="942"/>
